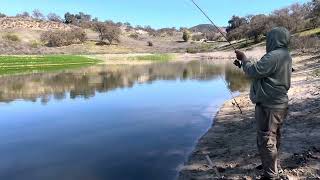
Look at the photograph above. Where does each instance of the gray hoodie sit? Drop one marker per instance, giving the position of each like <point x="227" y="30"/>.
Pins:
<point x="272" y="74"/>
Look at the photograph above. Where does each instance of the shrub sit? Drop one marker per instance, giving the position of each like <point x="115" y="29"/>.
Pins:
<point x="53" y="38"/>
<point x="23" y="15"/>
<point x="191" y="50"/>
<point x="212" y="36"/>
<point x="2" y="15"/>
<point x="69" y="18"/>
<point x="63" y="38"/>
<point x="35" y="44"/>
<point x="305" y="42"/>
<point x="150" y="43"/>
<point x="54" y="17"/>
<point x="198" y="37"/>
<point x="186" y="36"/>
<point x="107" y="32"/>
<point x="11" y="37"/>
<point x="80" y="35"/>
<point x="134" y="36"/>
<point x="204" y="47"/>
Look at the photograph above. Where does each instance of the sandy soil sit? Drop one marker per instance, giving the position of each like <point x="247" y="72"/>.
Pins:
<point x="254" y="53"/>
<point x="216" y="56"/>
<point x="231" y="141"/>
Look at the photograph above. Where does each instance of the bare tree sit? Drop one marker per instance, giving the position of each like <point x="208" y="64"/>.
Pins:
<point x="239" y="33"/>
<point x="2" y="15"/>
<point x="23" y="14"/>
<point x="54" y="17"/>
<point x="316" y="7"/>
<point x="235" y="22"/>
<point x="315" y="14"/>
<point x="107" y="32"/>
<point x="37" y="14"/>
<point x="95" y="19"/>
<point x="69" y="18"/>
<point x="258" y="27"/>
<point x="295" y="18"/>
<point x="82" y="17"/>
<point x="212" y="36"/>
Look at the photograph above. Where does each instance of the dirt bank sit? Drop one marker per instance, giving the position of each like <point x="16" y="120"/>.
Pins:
<point x="216" y="56"/>
<point x="231" y="141"/>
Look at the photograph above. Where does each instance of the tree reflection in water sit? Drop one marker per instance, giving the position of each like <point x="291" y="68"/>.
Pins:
<point x="84" y="83"/>
<point x="235" y="79"/>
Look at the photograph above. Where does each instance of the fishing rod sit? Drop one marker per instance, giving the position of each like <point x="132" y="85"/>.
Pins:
<point x="237" y="63"/>
<point x="205" y="14"/>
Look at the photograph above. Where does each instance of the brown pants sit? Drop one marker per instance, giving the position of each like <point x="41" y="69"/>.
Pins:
<point x="269" y="122"/>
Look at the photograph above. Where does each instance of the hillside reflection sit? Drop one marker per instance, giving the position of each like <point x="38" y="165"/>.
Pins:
<point x="85" y="83"/>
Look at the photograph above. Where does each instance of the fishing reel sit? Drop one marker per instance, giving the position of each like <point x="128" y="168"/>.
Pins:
<point x="237" y="63"/>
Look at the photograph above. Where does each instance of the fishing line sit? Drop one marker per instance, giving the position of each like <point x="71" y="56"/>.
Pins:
<point x="205" y="14"/>
<point x="223" y="35"/>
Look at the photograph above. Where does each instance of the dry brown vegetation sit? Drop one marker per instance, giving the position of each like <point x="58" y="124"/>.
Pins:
<point x="305" y="42"/>
<point x="31" y="24"/>
<point x="107" y="32"/>
<point x="63" y="38"/>
<point x="11" y="37"/>
<point x="296" y="18"/>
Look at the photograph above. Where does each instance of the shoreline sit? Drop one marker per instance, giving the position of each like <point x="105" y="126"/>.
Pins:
<point x="231" y="140"/>
<point x="124" y="59"/>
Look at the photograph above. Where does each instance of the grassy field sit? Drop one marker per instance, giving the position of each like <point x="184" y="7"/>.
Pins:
<point x="33" y="64"/>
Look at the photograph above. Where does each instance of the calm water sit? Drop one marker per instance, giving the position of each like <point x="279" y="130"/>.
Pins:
<point x="109" y="122"/>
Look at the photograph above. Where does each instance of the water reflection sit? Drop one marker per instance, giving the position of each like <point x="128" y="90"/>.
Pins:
<point x="85" y="83"/>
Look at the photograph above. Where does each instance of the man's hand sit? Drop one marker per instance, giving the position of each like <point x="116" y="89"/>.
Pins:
<point x="240" y="55"/>
<point x="237" y="63"/>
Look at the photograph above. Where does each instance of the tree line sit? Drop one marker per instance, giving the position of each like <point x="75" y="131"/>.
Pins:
<point x="296" y="18"/>
<point x="109" y="31"/>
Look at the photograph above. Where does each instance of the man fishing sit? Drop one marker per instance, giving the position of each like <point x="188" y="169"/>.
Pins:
<point x="271" y="81"/>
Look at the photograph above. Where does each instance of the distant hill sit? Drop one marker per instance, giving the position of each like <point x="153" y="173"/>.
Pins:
<point x="205" y="28"/>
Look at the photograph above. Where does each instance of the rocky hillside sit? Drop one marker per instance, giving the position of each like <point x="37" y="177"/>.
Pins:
<point x="32" y="24"/>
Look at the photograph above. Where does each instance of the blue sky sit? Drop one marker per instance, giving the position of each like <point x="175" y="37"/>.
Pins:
<point x="157" y="13"/>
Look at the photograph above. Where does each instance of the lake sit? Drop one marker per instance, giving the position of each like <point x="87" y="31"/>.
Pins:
<point x="116" y="122"/>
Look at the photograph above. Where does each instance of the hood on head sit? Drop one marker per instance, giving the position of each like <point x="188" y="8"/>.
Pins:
<point x="278" y="37"/>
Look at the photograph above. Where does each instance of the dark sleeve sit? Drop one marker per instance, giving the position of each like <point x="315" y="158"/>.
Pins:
<point x="262" y="68"/>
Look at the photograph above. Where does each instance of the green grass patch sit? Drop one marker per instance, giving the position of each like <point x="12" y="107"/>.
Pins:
<point x="153" y="57"/>
<point x="310" y="32"/>
<point x="34" y="64"/>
